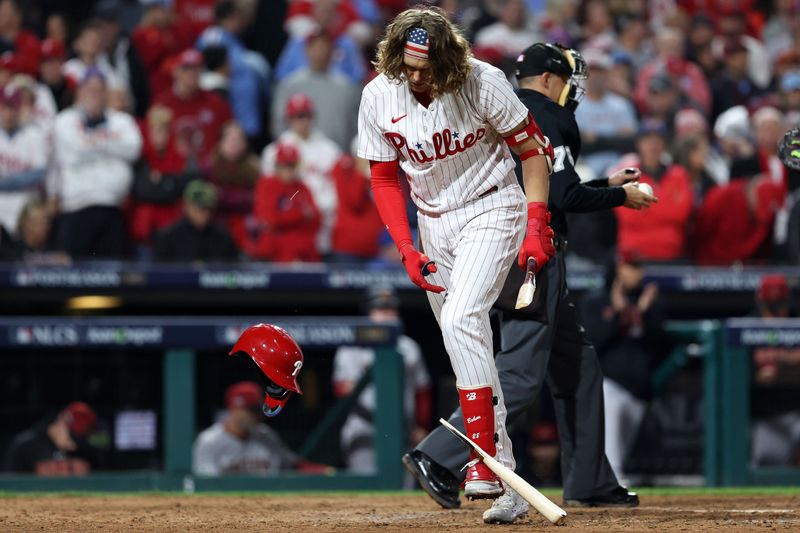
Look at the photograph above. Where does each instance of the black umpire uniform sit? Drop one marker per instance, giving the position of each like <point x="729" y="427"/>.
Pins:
<point x="545" y="340"/>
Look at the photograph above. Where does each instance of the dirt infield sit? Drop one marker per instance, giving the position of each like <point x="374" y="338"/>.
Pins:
<point x="361" y="513"/>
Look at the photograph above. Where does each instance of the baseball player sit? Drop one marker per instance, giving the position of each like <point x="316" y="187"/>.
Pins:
<point x="241" y="443"/>
<point x="279" y="357"/>
<point x="549" y="78"/>
<point x="445" y="119"/>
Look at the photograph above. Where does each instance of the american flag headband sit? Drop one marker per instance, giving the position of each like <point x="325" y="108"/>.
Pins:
<point x="417" y="44"/>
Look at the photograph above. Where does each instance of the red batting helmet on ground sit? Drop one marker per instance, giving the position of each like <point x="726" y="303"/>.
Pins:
<point x="279" y="358"/>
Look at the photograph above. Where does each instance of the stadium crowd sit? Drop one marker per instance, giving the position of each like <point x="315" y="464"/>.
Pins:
<point x="184" y="130"/>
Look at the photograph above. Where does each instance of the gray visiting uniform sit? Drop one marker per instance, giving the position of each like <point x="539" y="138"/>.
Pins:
<point x="216" y="452"/>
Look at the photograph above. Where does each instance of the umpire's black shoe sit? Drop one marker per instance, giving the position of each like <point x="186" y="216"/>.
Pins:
<point x="436" y="480"/>
<point x="619" y="497"/>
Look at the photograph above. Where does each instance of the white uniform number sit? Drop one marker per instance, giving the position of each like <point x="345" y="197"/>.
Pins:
<point x="562" y="153"/>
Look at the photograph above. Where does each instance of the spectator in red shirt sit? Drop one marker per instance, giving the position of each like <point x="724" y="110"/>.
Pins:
<point x="234" y="169"/>
<point x="14" y="38"/>
<point x="160" y="178"/>
<point x="658" y="233"/>
<point x="194" y="16"/>
<point x="735" y="222"/>
<point x="156" y="39"/>
<point x="358" y="225"/>
<point x="286" y="212"/>
<point x="198" y="115"/>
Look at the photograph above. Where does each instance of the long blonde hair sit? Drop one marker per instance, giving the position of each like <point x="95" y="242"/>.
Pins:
<point x="448" y="52"/>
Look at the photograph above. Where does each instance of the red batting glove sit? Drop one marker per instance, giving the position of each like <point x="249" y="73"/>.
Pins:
<point x="414" y="263"/>
<point x="538" y="242"/>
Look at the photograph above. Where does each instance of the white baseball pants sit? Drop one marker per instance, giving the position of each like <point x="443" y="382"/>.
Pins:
<point x="474" y="246"/>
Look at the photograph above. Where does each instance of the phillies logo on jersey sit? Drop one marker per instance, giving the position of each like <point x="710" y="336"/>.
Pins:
<point x="445" y="143"/>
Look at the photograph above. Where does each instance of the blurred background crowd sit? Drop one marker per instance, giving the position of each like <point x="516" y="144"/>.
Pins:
<point x="184" y="130"/>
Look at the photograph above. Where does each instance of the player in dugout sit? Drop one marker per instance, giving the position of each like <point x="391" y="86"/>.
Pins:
<point x="56" y="446"/>
<point x="546" y="340"/>
<point x="240" y="443"/>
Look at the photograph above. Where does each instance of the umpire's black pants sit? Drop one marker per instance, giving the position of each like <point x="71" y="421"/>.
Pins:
<point x="575" y="379"/>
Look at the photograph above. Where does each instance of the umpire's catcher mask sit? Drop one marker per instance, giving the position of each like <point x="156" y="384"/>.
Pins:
<point x="558" y="59"/>
<point x="278" y="356"/>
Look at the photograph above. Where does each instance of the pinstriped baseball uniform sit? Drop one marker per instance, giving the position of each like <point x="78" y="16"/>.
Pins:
<point x="471" y="208"/>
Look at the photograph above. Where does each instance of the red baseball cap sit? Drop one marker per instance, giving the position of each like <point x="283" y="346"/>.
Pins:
<point x="773" y="288"/>
<point x="287" y="154"/>
<point x="246" y="394"/>
<point x="53" y="49"/>
<point x="80" y="418"/>
<point x="190" y="58"/>
<point x="299" y="104"/>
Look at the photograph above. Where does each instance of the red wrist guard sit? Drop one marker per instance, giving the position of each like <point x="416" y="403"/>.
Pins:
<point x="538" y="211"/>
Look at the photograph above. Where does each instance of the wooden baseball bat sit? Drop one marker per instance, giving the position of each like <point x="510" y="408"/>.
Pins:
<point x="528" y="288"/>
<point x="539" y="501"/>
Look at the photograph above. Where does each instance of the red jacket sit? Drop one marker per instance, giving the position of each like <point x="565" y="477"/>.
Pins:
<point x="197" y="121"/>
<point x="358" y="225"/>
<point x="27" y="53"/>
<point x="727" y="229"/>
<point x="659" y="232"/>
<point x="156" y="46"/>
<point x="194" y="15"/>
<point x="146" y="219"/>
<point x="290" y="220"/>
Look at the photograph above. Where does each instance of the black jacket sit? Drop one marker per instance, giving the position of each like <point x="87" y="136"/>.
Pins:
<point x="567" y="193"/>
<point x="34" y="451"/>
<point x="183" y="242"/>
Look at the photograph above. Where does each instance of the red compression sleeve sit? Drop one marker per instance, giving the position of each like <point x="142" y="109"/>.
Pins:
<point x="389" y="199"/>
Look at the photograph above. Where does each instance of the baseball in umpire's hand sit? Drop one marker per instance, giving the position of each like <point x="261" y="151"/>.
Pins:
<point x="636" y="198"/>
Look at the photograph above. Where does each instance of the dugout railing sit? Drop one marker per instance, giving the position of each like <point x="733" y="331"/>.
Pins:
<point x="739" y="336"/>
<point x="180" y="338"/>
<point x="724" y="347"/>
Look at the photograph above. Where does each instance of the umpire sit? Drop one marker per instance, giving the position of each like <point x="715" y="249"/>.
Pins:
<point x="549" y="77"/>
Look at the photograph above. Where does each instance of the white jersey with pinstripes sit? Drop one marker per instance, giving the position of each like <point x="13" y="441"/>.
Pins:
<point x="452" y="151"/>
